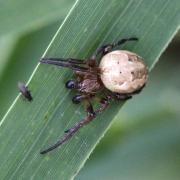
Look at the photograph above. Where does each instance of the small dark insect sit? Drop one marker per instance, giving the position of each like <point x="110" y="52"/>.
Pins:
<point x="24" y="91"/>
<point x="119" y="75"/>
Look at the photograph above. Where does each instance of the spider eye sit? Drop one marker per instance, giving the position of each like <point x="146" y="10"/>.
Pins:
<point x="77" y="99"/>
<point x="71" y="84"/>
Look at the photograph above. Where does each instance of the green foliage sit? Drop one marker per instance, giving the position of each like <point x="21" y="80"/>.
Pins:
<point x="28" y="128"/>
<point x="22" y="16"/>
<point x="21" y="61"/>
<point x="143" y="142"/>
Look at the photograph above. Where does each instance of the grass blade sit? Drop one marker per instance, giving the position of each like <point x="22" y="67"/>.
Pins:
<point x="29" y="127"/>
<point x="145" y="138"/>
<point x="25" y="53"/>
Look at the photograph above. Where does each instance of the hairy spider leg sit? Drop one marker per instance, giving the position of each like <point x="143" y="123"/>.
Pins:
<point x="69" y="60"/>
<point x="80" y="97"/>
<point x="119" y="96"/>
<point x="109" y="47"/>
<point x="89" y="110"/>
<point x="91" y="114"/>
<point x="65" y="63"/>
<point x="122" y="41"/>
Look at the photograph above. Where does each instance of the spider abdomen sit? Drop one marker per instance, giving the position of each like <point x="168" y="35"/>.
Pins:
<point x="123" y="71"/>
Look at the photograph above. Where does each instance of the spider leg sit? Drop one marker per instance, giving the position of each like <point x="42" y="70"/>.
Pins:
<point x="73" y="64"/>
<point x="64" y="63"/>
<point x="80" y="97"/>
<point x="109" y="47"/>
<point x="69" y="60"/>
<point x="123" y="41"/>
<point x="127" y="96"/>
<point x="104" y="102"/>
<point x="91" y="114"/>
<point x="122" y="97"/>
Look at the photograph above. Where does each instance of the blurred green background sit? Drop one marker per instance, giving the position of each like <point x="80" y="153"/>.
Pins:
<point x="143" y="142"/>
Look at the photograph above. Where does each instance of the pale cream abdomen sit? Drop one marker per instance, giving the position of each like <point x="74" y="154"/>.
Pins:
<point x="123" y="71"/>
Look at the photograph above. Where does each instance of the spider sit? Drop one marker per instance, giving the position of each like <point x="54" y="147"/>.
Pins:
<point x="119" y="75"/>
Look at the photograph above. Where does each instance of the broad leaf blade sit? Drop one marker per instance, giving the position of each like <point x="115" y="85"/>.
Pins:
<point x="29" y="127"/>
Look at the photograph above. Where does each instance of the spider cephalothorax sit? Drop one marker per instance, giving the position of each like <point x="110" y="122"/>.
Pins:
<point x="119" y="75"/>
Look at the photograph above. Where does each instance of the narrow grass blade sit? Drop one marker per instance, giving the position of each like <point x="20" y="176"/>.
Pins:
<point x="28" y="128"/>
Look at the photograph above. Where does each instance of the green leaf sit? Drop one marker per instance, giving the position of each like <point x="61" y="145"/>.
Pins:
<point x="23" y="15"/>
<point x="25" y="53"/>
<point x="142" y="152"/>
<point x="143" y="142"/>
<point x="28" y="128"/>
<point x="23" y="38"/>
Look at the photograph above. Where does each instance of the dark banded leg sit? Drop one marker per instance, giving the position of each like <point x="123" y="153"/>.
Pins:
<point x="89" y="110"/>
<point x="91" y="114"/>
<point x="69" y="63"/>
<point x="109" y="47"/>
<point x="80" y="97"/>
<point x="118" y="96"/>
<point x="68" y="60"/>
<point x="122" y="97"/>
